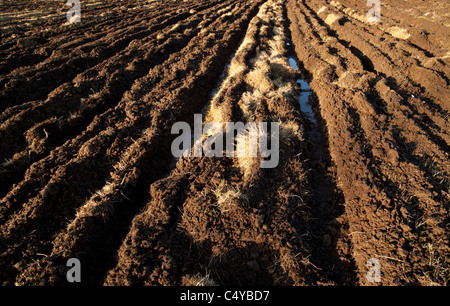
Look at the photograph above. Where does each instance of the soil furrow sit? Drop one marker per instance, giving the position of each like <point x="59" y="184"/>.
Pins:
<point x="144" y="150"/>
<point x="373" y="171"/>
<point x="329" y="223"/>
<point x="120" y="113"/>
<point x="224" y="205"/>
<point x="115" y="42"/>
<point x="52" y="132"/>
<point x="389" y="62"/>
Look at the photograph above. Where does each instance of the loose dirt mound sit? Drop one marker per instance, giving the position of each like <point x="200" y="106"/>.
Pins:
<point x="87" y="171"/>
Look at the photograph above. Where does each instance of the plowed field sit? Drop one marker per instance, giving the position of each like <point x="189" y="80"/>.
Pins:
<point x="87" y="171"/>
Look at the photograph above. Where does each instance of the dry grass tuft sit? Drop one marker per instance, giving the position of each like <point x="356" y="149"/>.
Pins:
<point x="198" y="280"/>
<point x="290" y="129"/>
<point x="235" y="68"/>
<point x="250" y="101"/>
<point x="6" y="163"/>
<point x="247" y="151"/>
<point x="218" y="113"/>
<point x="92" y="207"/>
<point x="286" y="90"/>
<point x="227" y="196"/>
<point x="259" y="78"/>
<point x="439" y="271"/>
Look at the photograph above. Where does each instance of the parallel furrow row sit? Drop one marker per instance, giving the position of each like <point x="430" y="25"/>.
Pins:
<point x="128" y="152"/>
